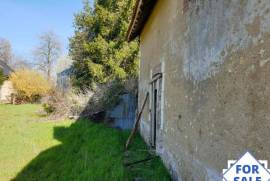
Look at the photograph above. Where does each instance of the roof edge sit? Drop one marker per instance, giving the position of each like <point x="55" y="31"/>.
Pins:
<point x="141" y="12"/>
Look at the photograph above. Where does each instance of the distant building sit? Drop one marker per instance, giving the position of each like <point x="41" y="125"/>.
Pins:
<point x="6" y="89"/>
<point x="63" y="79"/>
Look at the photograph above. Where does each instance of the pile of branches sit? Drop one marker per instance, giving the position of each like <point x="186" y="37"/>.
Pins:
<point x="91" y="104"/>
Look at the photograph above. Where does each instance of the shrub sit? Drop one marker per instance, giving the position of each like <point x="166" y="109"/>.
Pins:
<point x="78" y="100"/>
<point x="48" y="108"/>
<point x="30" y="85"/>
<point x="55" y="104"/>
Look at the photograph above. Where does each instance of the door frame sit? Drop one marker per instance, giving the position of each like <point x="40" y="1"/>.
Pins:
<point x="155" y="107"/>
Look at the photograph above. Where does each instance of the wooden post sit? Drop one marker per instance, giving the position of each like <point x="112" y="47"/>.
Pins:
<point x="136" y="126"/>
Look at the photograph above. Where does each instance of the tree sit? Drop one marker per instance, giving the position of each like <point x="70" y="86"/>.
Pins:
<point x="7" y="56"/>
<point x="5" y="51"/>
<point x="19" y="62"/>
<point x="2" y="77"/>
<point x="98" y="47"/>
<point x="47" y="52"/>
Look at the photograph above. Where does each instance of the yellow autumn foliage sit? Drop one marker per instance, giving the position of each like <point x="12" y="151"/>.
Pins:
<point x="29" y="84"/>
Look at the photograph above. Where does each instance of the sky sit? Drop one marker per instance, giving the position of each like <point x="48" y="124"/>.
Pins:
<point x="22" y="22"/>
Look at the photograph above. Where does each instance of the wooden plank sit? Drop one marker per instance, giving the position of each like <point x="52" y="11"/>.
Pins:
<point x="136" y="126"/>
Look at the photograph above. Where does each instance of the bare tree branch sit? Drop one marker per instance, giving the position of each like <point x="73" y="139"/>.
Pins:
<point x="47" y="52"/>
<point x="5" y="51"/>
<point x="19" y="62"/>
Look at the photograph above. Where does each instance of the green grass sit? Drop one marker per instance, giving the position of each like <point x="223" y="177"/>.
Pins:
<point x="34" y="149"/>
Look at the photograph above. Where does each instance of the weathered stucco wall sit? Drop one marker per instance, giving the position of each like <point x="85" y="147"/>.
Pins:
<point x="5" y="92"/>
<point x="216" y="76"/>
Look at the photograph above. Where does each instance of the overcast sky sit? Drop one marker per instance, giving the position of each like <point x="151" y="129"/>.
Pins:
<point x="22" y="21"/>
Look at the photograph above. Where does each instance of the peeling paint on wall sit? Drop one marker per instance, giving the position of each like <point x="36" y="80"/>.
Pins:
<point x="218" y="28"/>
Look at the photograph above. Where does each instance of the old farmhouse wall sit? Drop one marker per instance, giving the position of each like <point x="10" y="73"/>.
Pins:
<point x="215" y="100"/>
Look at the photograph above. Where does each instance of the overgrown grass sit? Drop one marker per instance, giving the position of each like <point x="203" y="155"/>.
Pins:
<point x="32" y="149"/>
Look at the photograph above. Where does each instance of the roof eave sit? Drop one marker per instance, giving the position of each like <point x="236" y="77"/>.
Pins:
<point x="141" y="13"/>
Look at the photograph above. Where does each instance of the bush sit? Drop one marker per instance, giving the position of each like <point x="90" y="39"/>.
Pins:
<point x="48" y="108"/>
<point x="30" y="85"/>
<point x="55" y="104"/>
<point x="78" y="100"/>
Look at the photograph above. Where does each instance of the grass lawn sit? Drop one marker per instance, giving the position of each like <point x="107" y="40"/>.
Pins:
<point x="34" y="149"/>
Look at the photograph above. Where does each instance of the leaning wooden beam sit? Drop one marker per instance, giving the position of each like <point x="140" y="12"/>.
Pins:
<point x="136" y="126"/>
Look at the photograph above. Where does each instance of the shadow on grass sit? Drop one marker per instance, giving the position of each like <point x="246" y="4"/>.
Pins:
<point x="91" y="152"/>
